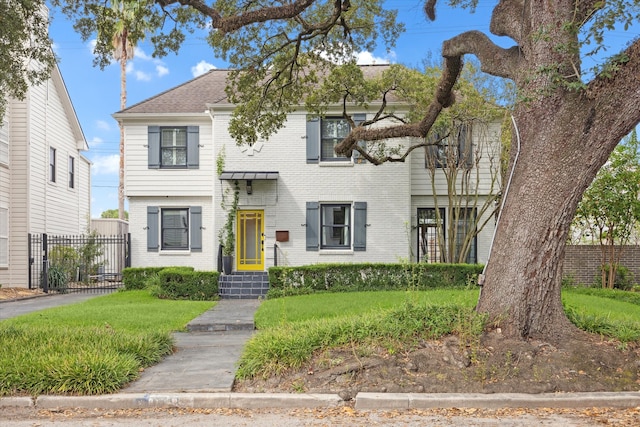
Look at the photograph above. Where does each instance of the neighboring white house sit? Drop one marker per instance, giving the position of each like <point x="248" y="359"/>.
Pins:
<point x="45" y="181"/>
<point x="298" y="202"/>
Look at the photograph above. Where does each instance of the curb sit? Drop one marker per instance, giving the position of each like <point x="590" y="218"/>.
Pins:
<point x="190" y="400"/>
<point x="363" y="401"/>
<point x="368" y="401"/>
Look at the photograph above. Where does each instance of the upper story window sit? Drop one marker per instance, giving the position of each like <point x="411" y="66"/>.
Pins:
<point x="175" y="147"/>
<point x="4" y="143"/>
<point x="323" y="134"/>
<point x="52" y="164"/>
<point x="333" y="131"/>
<point x="455" y="150"/>
<point x="72" y="172"/>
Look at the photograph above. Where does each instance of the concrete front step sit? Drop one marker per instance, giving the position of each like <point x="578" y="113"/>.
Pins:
<point x="243" y="285"/>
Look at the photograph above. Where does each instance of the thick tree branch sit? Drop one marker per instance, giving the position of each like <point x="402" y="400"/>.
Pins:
<point x="616" y="96"/>
<point x="443" y="98"/>
<point x="232" y="23"/>
<point x="508" y="19"/>
<point x="493" y="59"/>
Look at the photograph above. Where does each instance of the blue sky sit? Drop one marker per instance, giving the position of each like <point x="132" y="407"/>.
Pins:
<point x="95" y="93"/>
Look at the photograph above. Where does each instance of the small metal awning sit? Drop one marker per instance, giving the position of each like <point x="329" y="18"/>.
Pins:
<point x="248" y="176"/>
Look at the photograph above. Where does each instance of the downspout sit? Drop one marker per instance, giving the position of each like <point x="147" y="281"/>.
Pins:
<point x="481" y="276"/>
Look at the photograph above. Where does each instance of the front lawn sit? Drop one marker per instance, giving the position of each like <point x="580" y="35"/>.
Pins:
<point x="93" y="347"/>
<point x="292" y="328"/>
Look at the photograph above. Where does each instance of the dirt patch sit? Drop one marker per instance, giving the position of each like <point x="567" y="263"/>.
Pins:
<point x="7" y="294"/>
<point x="494" y="365"/>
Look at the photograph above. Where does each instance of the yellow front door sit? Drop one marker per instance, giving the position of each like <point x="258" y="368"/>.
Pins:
<point x="250" y="247"/>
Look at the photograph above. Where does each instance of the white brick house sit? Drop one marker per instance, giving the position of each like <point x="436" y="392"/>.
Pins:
<point x="298" y="203"/>
<point x="45" y="181"/>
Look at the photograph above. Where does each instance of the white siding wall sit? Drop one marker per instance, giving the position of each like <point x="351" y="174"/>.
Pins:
<point x="35" y="204"/>
<point x="5" y="188"/>
<point x="486" y="147"/>
<point x="142" y="181"/>
<point x="19" y="162"/>
<point x="140" y="257"/>
<point x="386" y="189"/>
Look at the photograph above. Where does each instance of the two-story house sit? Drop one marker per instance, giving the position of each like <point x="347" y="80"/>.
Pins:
<point x="299" y="202"/>
<point x="45" y="181"/>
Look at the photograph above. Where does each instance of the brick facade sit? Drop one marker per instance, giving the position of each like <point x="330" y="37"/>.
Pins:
<point x="582" y="262"/>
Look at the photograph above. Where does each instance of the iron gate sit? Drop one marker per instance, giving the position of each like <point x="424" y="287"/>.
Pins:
<point x="82" y="263"/>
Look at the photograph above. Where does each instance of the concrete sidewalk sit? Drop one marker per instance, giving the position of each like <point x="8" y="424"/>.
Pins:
<point x="200" y="374"/>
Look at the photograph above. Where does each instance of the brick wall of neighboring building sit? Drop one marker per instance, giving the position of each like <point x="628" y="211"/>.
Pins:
<point x="582" y="262"/>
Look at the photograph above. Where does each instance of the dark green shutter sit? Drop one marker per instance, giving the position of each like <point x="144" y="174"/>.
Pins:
<point x="357" y="158"/>
<point x="153" y="146"/>
<point x="313" y="140"/>
<point x="193" y="147"/>
<point x="360" y="226"/>
<point x="196" y="228"/>
<point x="313" y="226"/>
<point x="152" y="228"/>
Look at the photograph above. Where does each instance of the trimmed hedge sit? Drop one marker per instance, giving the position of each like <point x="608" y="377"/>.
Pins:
<point x="136" y="278"/>
<point x="285" y="281"/>
<point x="184" y="283"/>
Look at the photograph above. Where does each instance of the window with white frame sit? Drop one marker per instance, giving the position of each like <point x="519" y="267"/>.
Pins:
<point x="52" y="164"/>
<point x="173" y="147"/>
<point x="4" y="237"/>
<point x="335" y="222"/>
<point x="4" y="143"/>
<point x="174" y="229"/>
<point x="72" y="172"/>
<point x="333" y="131"/>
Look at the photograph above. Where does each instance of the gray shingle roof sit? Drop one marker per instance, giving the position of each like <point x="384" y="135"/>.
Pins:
<point x="194" y="95"/>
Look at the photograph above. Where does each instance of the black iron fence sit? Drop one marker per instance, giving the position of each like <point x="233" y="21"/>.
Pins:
<point x="81" y="263"/>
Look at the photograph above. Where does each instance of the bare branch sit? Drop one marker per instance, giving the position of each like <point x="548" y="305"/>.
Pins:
<point x="493" y="59"/>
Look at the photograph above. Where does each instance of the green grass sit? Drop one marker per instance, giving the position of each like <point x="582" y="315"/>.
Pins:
<point x="293" y="328"/>
<point x="329" y="305"/>
<point x="92" y="347"/>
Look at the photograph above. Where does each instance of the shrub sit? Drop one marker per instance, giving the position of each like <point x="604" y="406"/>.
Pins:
<point x="58" y="279"/>
<point x="285" y="281"/>
<point x="184" y="283"/>
<point x="135" y="278"/>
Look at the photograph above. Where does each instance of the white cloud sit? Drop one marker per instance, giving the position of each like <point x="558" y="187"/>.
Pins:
<point x="142" y="76"/>
<point x="201" y="68"/>
<point x="140" y="54"/>
<point x="105" y="165"/>
<point x="95" y="141"/>
<point x="367" y="58"/>
<point x="102" y="125"/>
<point x="162" y="70"/>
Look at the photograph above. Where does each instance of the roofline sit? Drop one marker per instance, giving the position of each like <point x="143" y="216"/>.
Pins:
<point x="173" y="88"/>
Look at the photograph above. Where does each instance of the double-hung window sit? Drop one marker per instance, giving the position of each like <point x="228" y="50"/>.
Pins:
<point x="4" y="143"/>
<point x="52" y="164"/>
<point x="453" y="151"/>
<point x="333" y="131"/>
<point x="4" y="237"/>
<point x="335" y="222"/>
<point x="173" y="147"/>
<point x="340" y="226"/>
<point x="72" y="172"/>
<point x="175" y="229"/>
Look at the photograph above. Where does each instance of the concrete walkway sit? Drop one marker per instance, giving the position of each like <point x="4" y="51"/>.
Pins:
<point x="206" y="356"/>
